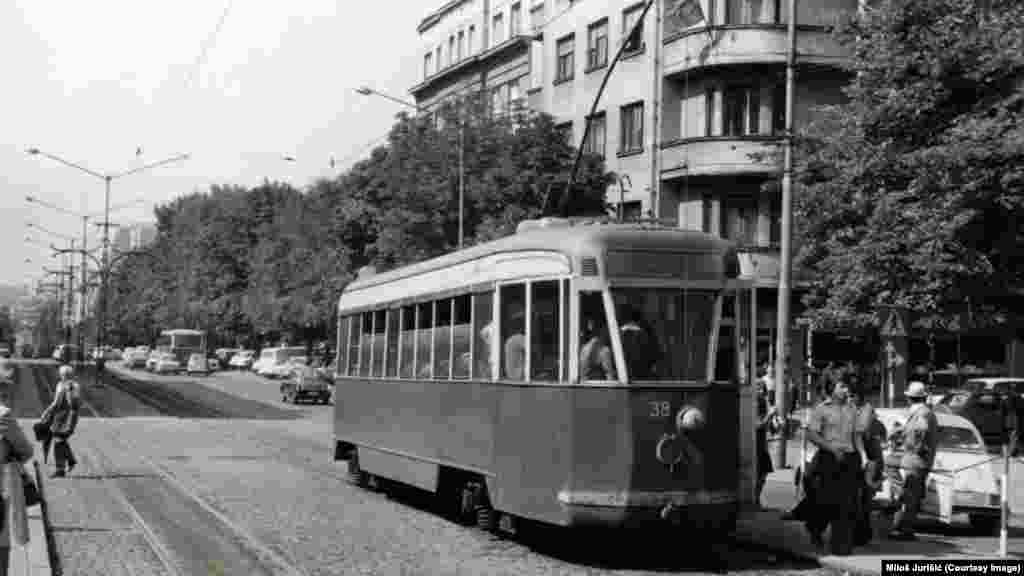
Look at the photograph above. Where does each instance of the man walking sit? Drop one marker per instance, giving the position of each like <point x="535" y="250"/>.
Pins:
<point x="920" y="441"/>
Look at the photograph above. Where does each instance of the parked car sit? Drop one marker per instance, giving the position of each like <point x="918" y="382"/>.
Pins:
<point x="981" y="401"/>
<point x="326" y="373"/>
<point x="304" y="382"/>
<point x="136" y="358"/>
<point x="242" y="360"/>
<point x="198" y="364"/>
<point x="963" y="480"/>
<point x="5" y="351"/>
<point x="67" y="353"/>
<point x="166" y="363"/>
<point x="152" y="359"/>
<point x="277" y="362"/>
<point x="224" y="354"/>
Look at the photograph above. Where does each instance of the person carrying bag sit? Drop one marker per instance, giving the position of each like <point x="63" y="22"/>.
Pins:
<point x="62" y="418"/>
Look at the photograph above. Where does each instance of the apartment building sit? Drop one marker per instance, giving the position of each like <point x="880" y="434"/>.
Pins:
<point x="469" y="46"/>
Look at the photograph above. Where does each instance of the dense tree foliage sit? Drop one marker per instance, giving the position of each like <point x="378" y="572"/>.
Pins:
<point x="271" y="261"/>
<point x="913" y="190"/>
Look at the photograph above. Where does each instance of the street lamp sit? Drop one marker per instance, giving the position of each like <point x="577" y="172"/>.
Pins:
<point x="367" y="91"/>
<point x="107" y="179"/>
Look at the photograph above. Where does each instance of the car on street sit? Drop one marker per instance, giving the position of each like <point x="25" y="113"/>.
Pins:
<point x="166" y="363"/>
<point x="151" y="360"/>
<point x="303" y="382"/>
<point x="981" y="401"/>
<point x="5" y="351"/>
<point x="224" y="354"/>
<point x="277" y="362"/>
<point x="242" y="360"/>
<point x="198" y="364"/>
<point x="963" y="480"/>
<point x="66" y="353"/>
<point x="136" y="358"/>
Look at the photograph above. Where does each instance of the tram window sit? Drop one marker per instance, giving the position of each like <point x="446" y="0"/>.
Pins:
<point x="727" y="355"/>
<point x="513" y="332"/>
<point x="391" y="366"/>
<point x="353" y="345"/>
<point x="342" y="345"/>
<point x="407" y="341"/>
<point x="597" y="361"/>
<point x="424" y="335"/>
<point x="366" y="345"/>
<point x="666" y="332"/>
<point x="462" y="332"/>
<point x="380" y="318"/>
<point x="544" y="312"/>
<point x="443" y="339"/>
<point x="483" y="331"/>
<point x="564" y="353"/>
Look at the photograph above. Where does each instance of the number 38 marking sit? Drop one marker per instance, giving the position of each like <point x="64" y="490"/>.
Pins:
<point x="660" y="409"/>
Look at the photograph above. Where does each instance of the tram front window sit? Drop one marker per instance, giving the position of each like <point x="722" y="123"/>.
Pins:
<point x="665" y="333"/>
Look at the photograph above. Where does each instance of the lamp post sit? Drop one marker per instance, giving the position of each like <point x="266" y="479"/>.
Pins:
<point x="367" y="91"/>
<point x="107" y="179"/>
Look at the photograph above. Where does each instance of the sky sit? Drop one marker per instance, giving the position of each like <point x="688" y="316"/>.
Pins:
<point x="235" y="84"/>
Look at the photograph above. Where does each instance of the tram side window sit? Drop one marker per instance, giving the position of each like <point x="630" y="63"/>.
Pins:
<point x="544" y="312"/>
<point x="566" y="303"/>
<point x="727" y="355"/>
<point x="424" y="334"/>
<point x="353" y="345"/>
<point x="483" y="331"/>
<point x="513" y="332"/>
<point x="341" y="364"/>
<point x="408" y="341"/>
<point x="391" y="366"/>
<point x="380" y="318"/>
<point x="597" y="361"/>
<point x="462" y="332"/>
<point x="443" y="339"/>
<point x="366" y="344"/>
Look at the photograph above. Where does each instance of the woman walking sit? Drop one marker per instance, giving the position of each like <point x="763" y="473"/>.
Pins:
<point x="15" y="450"/>
<point x="62" y="417"/>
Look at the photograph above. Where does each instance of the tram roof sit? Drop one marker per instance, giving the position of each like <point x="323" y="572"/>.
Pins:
<point x="571" y="238"/>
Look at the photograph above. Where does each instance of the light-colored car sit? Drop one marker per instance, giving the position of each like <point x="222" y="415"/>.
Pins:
<point x="166" y="363"/>
<point x="198" y="364"/>
<point x="242" y="360"/>
<point x="304" y="382"/>
<point x="152" y="359"/>
<point x="963" y="480"/>
<point x="277" y="362"/>
<point x="136" y="358"/>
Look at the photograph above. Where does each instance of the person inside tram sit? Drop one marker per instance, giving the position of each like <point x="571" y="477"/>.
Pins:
<point x="596" y="359"/>
<point x="515" y="344"/>
<point x="638" y="345"/>
<point x="544" y="351"/>
<point x="483" y="353"/>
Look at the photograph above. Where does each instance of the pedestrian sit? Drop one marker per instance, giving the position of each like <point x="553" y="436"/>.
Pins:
<point x="872" y="433"/>
<point x="920" y="439"/>
<point x="596" y="359"/>
<point x="837" y="467"/>
<point x="765" y="420"/>
<point x="15" y="450"/>
<point x="62" y="416"/>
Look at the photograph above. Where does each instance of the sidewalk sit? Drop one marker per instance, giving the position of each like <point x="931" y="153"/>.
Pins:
<point x="767" y="528"/>
<point x="34" y="558"/>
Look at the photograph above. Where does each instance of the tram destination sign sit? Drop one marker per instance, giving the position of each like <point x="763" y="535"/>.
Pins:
<point x="675" y="265"/>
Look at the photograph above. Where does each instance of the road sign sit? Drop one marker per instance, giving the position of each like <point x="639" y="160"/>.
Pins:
<point x="893" y="326"/>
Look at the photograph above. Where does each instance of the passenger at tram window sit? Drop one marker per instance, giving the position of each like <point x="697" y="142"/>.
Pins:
<point x="513" y="302"/>
<point x="596" y="359"/>
<point x="424" y="339"/>
<point x="638" y="344"/>
<point x="483" y="328"/>
<point x="544" y="332"/>
<point x="462" y="333"/>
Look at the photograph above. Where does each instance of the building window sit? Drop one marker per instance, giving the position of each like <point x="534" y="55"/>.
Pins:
<point x="497" y="102"/>
<point x="741" y="110"/>
<point x="437" y="58"/>
<point x="427" y="58"/>
<point x="741" y="220"/>
<point x="635" y="42"/>
<point x="497" y="29"/>
<point x="597" y="45"/>
<point x="462" y="44"/>
<point x="596" y="136"/>
<point x="470" y="39"/>
<point x="631" y="134"/>
<point x="709" y="112"/>
<point x="451" y="50"/>
<point x="565" y="129"/>
<point x="566" y="62"/>
<point x="514" y="95"/>
<point x="515" y="17"/>
<point x="779" y="109"/>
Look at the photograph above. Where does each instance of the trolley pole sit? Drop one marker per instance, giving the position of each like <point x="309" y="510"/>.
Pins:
<point x="786" y="264"/>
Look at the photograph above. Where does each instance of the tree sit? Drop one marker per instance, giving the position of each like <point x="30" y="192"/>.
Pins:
<point x="913" y="190"/>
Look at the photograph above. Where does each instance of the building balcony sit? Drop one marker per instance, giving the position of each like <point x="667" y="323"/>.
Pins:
<point x="720" y="156"/>
<point x="748" y="44"/>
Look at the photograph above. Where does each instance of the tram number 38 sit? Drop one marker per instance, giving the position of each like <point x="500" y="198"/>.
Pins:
<point x="660" y="409"/>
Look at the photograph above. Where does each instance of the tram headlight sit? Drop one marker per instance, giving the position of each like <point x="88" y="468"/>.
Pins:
<point x="690" y="419"/>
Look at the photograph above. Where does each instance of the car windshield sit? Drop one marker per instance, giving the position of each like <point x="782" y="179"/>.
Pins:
<point x="956" y="400"/>
<point x="957" y="438"/>
<point x="665" y="332"/>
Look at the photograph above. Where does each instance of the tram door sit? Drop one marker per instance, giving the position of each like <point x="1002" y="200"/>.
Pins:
<point x="737" y="360"/>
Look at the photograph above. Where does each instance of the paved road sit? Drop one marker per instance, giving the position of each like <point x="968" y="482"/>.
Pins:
<point x="223" y="495"/>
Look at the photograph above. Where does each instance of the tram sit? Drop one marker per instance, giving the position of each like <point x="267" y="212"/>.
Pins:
<point x="565" y="374"/>
<point x="182" y="343"/>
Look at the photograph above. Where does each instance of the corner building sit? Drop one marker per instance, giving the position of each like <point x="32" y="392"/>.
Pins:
<point x="716" y="92"/>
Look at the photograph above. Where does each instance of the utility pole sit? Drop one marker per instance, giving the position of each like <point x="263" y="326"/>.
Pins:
<point x="655" y="116"/>
<point x="101" y="324"/>
<point x="786" y="264"/>
<point x="84" y="283"/>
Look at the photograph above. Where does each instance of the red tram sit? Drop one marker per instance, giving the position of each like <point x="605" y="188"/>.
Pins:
<point x="565" y="374"/>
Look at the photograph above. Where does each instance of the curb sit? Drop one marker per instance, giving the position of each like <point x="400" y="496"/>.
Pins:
<point x="50" y="542"/>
